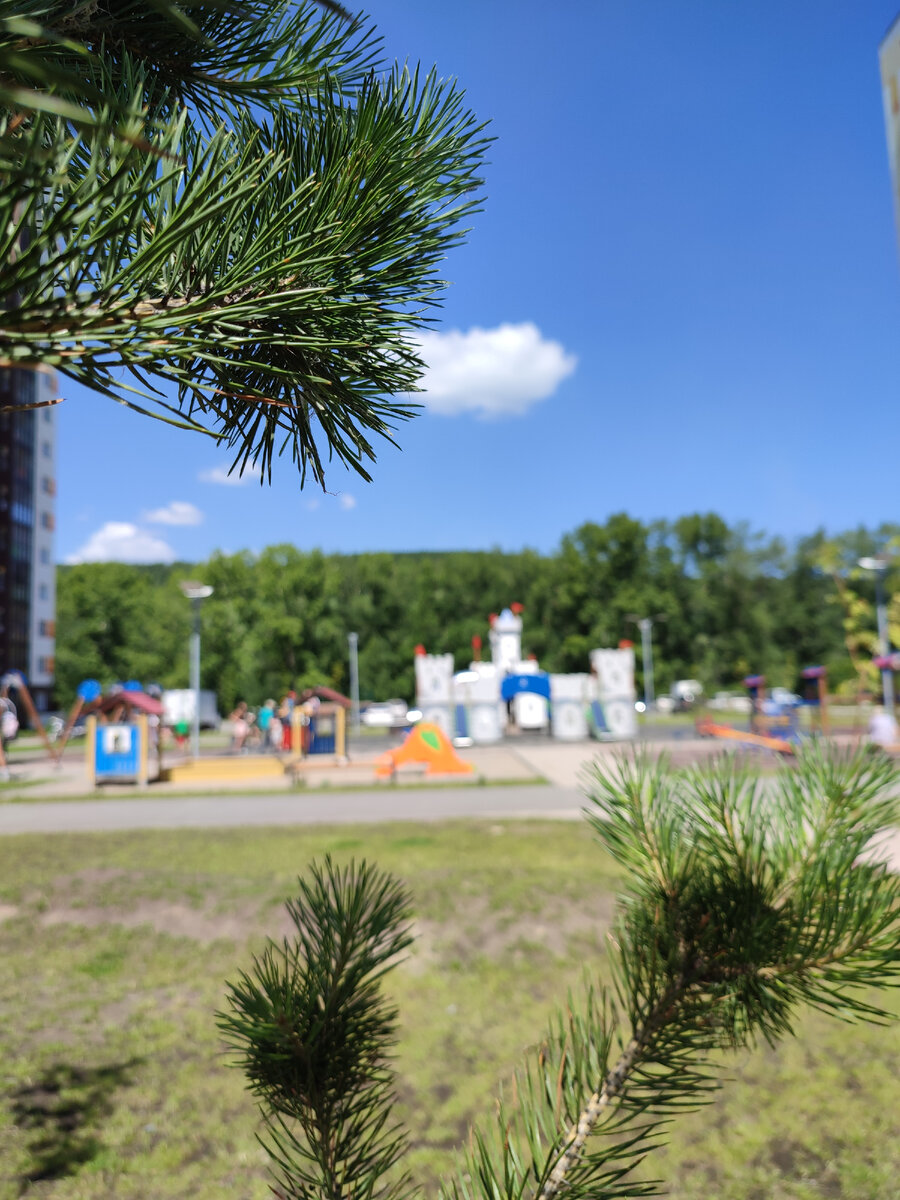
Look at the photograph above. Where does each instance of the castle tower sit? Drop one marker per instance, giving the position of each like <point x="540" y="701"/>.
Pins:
<point x="506" y="642"/>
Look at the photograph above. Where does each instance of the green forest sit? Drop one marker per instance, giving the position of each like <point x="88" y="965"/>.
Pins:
<point x="734" y="602"/>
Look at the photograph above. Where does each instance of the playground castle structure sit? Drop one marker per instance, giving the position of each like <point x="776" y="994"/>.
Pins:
<point x="481" y="704"/>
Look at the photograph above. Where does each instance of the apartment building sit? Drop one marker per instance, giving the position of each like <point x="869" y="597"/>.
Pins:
<point x="27" y="525"/>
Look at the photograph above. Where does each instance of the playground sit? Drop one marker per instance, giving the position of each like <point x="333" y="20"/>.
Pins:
<point x="499" y="720"/>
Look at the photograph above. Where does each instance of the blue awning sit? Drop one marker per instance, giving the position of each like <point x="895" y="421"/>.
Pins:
<point x="538" y="684"/>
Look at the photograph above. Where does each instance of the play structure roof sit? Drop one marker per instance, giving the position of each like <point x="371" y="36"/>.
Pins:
<point x="139" y="701"/>
<point x="324" y="693"/>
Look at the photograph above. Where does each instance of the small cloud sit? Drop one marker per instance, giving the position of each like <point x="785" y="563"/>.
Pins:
<point x="311" y="503"/>
<point x="346" y="501"/>
<point x="179" y="512"/>
<point x="120" y="541"/>
<point x="498" y="372"/>
<point x="223" y="475"/>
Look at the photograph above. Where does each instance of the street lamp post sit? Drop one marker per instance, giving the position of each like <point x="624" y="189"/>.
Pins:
<point x="196" y="593"/>
<point x="879" y="566"/>
<point x="353" y="641"/>
<point x="645" y="625"/>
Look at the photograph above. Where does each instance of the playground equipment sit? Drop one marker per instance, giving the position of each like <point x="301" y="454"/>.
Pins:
<point x="773" y="725"/>
<point x="613" y="712"/>
<point x="479" y="705"/>
<point x="15" y="682"/>
<point x="121" y="745"/>
<point x="814" y="696"/>
<point x="425" y="744"/>
<point x="319" y="729"/>
<point x="88" y="691"/>
<point x="779" y="745"/>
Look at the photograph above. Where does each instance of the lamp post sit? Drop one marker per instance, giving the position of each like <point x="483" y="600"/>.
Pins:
<point x="353" y="641"/>
<point x="196" y="593"/>
<point x="879" y="566"/>
<point x="645" y="625"/>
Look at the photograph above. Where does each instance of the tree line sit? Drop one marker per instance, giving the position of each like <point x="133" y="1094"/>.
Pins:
<point x="732" y="602"/>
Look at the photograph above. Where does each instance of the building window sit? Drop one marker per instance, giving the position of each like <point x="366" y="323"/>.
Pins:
<point x="45" y="555"/>
<point x="43" y="591"/>
<point x="47" y="521"/>
<point x="46" y="664"/>
<point x="46" y="449"/>
<point x="48" y="629"/>
<point x="49" y="485"/>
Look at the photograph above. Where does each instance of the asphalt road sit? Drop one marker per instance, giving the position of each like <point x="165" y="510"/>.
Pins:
<point x="329" y="808"/>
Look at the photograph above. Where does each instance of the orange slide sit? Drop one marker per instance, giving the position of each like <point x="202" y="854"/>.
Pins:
<point x="425" y="744"/>
<point x="707" y="728"/>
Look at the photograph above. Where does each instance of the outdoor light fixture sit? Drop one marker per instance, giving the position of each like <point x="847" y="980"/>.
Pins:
<point x="196" y="593"/>
<point x="645" y="624"/>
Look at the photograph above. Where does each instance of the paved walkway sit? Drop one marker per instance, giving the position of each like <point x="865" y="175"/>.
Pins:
<point x="377" y="805"/>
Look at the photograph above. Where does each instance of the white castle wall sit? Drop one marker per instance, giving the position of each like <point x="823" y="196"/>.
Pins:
<point x="478" y="691"/>
<point x="610" y="688"/>
<point x="434" y="690"/>
<point x="614" y="672"/>
<point x="570" y="699"/>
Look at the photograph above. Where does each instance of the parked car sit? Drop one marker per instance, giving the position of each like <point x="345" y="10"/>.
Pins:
<point x="686" y="693"/>
<point x="178" y="705"/>
<point x="385" y="714"/>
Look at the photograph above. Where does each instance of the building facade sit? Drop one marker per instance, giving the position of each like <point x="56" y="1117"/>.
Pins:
<point x="27" y="526"/>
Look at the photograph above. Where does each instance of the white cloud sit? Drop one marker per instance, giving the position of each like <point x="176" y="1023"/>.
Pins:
<point x="178" y="512"/>
<point x="220" y="475"/>
<point x="120" y="541"/>
<point x="498" y="372"/>
<point x="346" y="501"/>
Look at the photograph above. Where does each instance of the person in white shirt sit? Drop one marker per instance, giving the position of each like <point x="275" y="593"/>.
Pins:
<point x="883" y="728"/>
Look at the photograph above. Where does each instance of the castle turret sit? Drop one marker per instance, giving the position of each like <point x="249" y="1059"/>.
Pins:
<point x="506" y="642"/>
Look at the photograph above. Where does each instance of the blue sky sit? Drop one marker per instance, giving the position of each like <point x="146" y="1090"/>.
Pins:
<point x="683" y="294"/>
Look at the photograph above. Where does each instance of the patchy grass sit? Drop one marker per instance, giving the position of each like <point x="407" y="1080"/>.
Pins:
<point x="115" y="949"/>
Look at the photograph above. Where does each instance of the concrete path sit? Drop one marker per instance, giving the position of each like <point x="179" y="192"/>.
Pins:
<point x="380" y="804"/>
<point x="359" y="807"/>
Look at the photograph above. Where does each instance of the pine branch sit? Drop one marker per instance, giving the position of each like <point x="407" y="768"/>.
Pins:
<point x="744" y="901"/>
<point x="313" y="1035"/>
<point x="227" y="200"/>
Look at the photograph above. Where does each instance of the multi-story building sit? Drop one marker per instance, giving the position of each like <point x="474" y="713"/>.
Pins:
<point x="27" y="523"/>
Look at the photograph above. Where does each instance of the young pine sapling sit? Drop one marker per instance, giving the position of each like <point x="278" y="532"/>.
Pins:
<point x="746" y="899"/>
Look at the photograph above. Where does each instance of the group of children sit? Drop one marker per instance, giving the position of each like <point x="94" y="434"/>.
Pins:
<point x="266" y="728"/>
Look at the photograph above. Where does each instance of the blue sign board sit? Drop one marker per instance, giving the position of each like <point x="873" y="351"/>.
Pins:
<point x="117" y="752"/>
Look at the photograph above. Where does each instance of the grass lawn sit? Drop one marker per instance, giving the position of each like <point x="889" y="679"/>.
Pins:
<point x="114" y="949"/>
